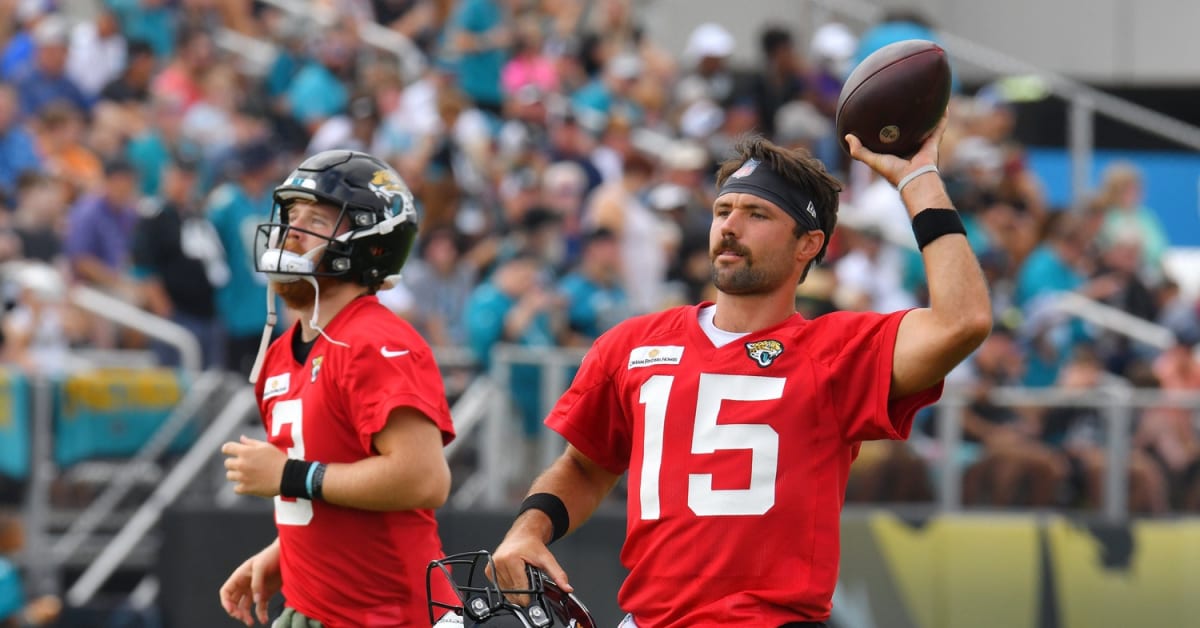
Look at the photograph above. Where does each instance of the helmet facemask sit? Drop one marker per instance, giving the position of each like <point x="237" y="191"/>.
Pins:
<point x="480" y="602"/>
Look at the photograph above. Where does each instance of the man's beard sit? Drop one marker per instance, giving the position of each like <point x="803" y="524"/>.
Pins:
<point x="746" y="279"/>
<point x="299" y="294"/>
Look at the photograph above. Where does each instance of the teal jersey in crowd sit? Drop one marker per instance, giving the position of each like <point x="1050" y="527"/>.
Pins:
<point x="479" y="72"/>
<point x="593" y="309"/>
<point x="242" y="301"/>
<point x="485" y="311"/>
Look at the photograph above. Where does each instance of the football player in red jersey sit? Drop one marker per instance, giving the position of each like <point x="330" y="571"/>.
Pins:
<point x="353" y="407"/>
<point x="737" y="421"/>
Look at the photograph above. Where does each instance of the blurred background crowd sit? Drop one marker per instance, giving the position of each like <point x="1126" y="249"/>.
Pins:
<point x="563" y="162"/>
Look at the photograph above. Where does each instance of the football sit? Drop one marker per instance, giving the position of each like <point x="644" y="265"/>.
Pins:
<point x="895" y="97"/>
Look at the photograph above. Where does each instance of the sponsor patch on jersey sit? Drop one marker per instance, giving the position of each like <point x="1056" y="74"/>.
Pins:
<point x="276" y="385"/>
<point x="316" y="366"/>
<point x="764" y="352"/>
<point x="653" y="356"/>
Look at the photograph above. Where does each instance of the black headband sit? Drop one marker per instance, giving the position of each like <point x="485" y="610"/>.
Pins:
<point x="757" y="178"/>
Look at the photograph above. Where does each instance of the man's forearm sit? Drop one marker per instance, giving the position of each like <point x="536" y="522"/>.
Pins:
<point x="958" y="293"/>
<point x="579" y="484"/>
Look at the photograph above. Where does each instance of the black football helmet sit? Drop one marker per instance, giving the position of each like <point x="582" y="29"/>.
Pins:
<point x="373" y="200"/>
<point x="480" y="602"/>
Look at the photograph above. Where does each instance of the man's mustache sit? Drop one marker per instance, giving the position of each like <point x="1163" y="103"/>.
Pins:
<point x="729" y="246"/>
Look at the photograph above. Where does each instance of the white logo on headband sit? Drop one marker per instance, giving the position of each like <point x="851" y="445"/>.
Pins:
<point x="746" y="169"/>
<point x="812" y="211"/>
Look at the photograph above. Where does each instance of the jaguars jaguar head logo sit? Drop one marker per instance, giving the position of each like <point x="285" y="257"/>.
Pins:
<point x="764" y="352"/>
<point x="385" y="185"/>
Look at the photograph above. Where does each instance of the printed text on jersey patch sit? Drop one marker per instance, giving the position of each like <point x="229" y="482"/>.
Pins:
<point x="652" y="356"/>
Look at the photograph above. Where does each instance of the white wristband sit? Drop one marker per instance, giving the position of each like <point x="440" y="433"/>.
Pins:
<point x="914" y="174"/>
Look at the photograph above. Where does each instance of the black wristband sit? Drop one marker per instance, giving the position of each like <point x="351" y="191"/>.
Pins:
<point x="294" y="482"/>
<point x="932" y="224"/>
<point x="554" y="508"/>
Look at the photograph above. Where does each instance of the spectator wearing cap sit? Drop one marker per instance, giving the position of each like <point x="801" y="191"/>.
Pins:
<point x="47" y="82"/>
<point x="595" y="301"/>
<point x="179" y="262"/>
<point x="235" y="208"/>
<point x="20" y="49"/>
<point x="707" y="55"/>
<point x="18" y="150"/>
<point x="100" y="232"/>
<point x="97" y="53"/>
<point x="831" y="52"/>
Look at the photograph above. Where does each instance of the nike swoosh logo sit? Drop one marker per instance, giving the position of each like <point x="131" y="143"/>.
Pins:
<point x="391" y="354"/>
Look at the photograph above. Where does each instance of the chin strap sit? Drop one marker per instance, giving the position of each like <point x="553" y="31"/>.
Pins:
<point x="316" y="311"/>
<point x="266" y="335"/>
<point x="297" y="262"/>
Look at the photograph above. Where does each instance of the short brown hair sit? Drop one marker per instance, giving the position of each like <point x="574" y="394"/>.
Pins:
<point x="797" y="166"/>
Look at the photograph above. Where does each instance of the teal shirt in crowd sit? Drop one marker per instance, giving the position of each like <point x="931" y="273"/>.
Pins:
<point x="479" y="72"/>
<point x="242" y="301"/>
<point x="485" y="311"/>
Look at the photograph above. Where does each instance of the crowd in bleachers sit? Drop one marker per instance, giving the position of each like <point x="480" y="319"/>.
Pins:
<point x="562" y="161"/>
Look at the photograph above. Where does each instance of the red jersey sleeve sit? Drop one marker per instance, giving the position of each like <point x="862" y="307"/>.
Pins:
<point x="590" y="415"/>
<point x="860" y="376"/>
<point x="377" y="384"/>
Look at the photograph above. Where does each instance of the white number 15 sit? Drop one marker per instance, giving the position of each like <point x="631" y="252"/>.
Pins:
<point x="708" y="437"/>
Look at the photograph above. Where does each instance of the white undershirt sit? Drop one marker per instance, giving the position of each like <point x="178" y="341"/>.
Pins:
<point x="719" y="337"/>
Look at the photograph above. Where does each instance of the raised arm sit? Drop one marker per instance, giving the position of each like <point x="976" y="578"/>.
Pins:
<point x="931" y="341"/>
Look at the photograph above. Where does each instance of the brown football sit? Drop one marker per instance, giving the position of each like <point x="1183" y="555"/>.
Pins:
<point x="895" y="97"/>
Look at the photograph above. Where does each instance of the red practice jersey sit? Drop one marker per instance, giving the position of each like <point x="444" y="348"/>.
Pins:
<point x="343" y="566"/>
<point x="737" y="457"/>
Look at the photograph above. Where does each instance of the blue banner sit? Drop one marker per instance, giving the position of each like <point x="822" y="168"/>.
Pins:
<point x="1170" y="180"/>
<point x="113" y="412"/>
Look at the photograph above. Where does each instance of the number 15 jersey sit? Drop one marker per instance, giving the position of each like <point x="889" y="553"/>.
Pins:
<point x="737" y="456"/>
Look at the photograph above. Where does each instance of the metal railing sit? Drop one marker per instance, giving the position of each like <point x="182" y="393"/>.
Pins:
<point x="1117" y="404"/>
<point x="241" y="405"/>
<point x="123" y="313"/>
